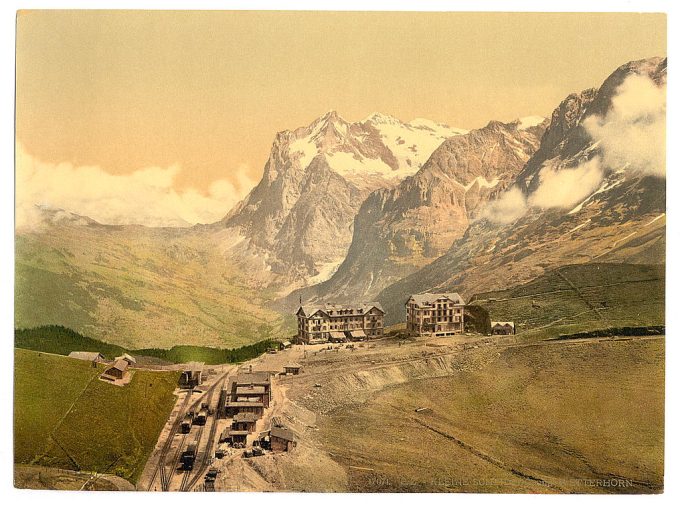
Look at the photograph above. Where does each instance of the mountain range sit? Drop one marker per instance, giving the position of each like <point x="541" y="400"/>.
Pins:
<point x="375" y="209"/>
<point x="295" y="226"/>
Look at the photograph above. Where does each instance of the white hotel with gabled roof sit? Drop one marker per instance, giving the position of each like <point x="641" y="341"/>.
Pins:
<point x="437" y="314"/>
<point x="318" y="323"/>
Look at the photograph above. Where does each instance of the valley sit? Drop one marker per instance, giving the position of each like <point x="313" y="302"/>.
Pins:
<point x="333" y="331"/>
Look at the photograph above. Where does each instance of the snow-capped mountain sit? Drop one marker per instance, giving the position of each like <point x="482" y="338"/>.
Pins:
<point x="401" y="228"/>
<point x="594" y="191"/>
<point x="296" y="225"/>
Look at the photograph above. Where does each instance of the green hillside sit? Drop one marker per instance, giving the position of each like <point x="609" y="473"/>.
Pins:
<point x="139" y="288"/>
<point x="65" y="417"/>
<point x="578" y="298"/>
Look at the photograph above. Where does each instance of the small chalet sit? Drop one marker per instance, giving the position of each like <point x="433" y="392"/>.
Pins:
<point x="93" y="357"/>
<point x="502" y="328"/>
<point x="116" y="371"/>
<point x="129" y="359"/>
<point x="292" y="369"/>
<point x="244" y="422"/>
<point x="281" y="439"/>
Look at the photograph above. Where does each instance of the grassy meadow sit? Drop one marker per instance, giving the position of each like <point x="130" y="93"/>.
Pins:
<point x="65" y="417"/>
<point x="139" y="288"/>
<point x="579" y="298"/>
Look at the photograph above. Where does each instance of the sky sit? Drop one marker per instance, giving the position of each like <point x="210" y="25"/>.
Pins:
<point x="181" y="107"/>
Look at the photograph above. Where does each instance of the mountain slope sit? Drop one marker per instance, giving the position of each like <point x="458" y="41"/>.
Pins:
<point x="619" y="217"/>
<point x="296" y="225"/>
<point x="135" y="286"/>
<point x="399" y="229"/>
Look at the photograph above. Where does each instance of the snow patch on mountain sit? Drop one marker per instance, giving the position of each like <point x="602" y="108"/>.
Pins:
<point x="530" y="121"/>
<point x="482" y="182"/>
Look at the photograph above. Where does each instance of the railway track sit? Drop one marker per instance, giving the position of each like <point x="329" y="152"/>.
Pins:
<point x="166" y="474"/>
<point x="160" y="468"/>
<point x="207" y="454"/>
<point x="186" y="474"/>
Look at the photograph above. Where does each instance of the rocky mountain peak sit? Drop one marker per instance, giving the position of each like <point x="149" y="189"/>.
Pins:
<point x="332" y="164"/>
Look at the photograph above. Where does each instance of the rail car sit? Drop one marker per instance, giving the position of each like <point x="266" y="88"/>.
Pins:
<point x="188" y="457"/>
<point x="185" y="427"/>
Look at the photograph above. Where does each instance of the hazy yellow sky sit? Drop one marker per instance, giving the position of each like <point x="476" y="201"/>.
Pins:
<point x="207" y="91"/>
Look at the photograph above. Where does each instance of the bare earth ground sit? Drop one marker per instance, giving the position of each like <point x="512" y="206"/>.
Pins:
<point x="494" y="416"/>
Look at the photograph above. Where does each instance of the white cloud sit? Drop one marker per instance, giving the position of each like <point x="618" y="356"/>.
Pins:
<point x="509" y="207"/>
<point x="565" y="188"/>
<point x="633" y="132"/>
<point x="632" y="137"/>
<point x="146" y="196"/>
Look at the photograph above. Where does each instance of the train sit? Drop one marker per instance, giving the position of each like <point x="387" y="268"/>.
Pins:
<point x="185" y="427"/>
<point x="201" y="417"/>
<point x="188" y="457"/>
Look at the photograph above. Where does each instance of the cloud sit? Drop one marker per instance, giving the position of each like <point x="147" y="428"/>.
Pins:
<point x="509" y="207"/>
<point x="633" y="132"/>
<point x="145" y="197"/>
<point x="564" y="188"/>
<point x="631" y="137"/>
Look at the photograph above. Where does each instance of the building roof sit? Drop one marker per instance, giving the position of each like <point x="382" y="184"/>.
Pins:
<point x="247" y="389"/>
<point x="245" y="417"/>
<point x="238" y="433"/>
<point x="86" y="356"/>
<point x="245" y="404"/>
<point x="254" y="378"/>
<point x="340" y="309"/>
<point x="286" y="343"/>
<point x="194" y="366"/>
<point x="293" y="365"/>
<point x="503" y="324"/>
<point x="120" y="364"/>
<point x="283" y="433"/>
<point x="128" y="358"/>
<point x="428" y="299"/>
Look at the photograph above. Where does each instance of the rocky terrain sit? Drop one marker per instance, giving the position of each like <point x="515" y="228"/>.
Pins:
<point x="582" y="197"/>
<point x="295" y="226"/>
<point x="375" y="209"/>
<point x="473" y="414"/>
<point x="400" y="229"/>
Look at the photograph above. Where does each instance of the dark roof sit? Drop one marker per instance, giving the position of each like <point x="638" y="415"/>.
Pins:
<point x="428" y="299"/>
<point x="503" y="324"/>
<point x="361" y="309"/>
<point x="245" y="417"/>
<point x="283" y="433"/>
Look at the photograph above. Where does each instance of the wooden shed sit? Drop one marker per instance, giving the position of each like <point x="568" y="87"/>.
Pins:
<point x="292" y="369"/>
<point x="282" y="439"/>
<point x="117" y="371"/>
<point x="502" y="328"/>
